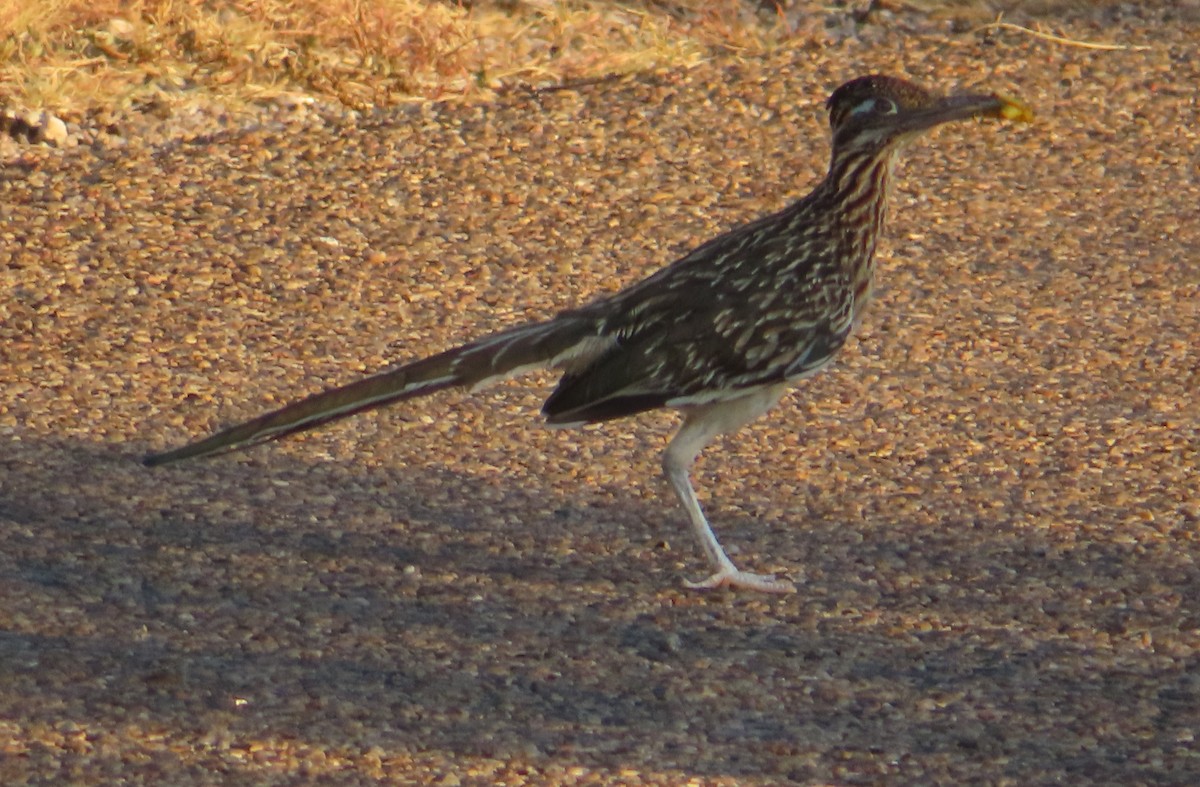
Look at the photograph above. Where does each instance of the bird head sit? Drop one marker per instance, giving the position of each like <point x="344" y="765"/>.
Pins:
<point x="877" y="113"/>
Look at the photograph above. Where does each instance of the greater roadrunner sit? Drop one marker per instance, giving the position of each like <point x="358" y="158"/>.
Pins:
<point x="719" y="335"/>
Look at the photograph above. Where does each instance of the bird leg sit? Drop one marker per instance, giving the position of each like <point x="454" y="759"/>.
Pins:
<point x="701" y="424"/>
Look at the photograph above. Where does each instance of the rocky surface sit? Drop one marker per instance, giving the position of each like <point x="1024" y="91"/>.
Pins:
<point x="990" y="503"/>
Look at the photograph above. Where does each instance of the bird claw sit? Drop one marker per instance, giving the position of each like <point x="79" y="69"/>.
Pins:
<point x="733" y="578"/>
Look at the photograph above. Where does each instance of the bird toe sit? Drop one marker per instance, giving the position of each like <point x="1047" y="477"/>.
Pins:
<point x="764" y="583"/>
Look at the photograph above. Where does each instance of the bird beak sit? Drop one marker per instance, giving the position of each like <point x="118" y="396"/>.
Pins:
<point x="961" y="107"/>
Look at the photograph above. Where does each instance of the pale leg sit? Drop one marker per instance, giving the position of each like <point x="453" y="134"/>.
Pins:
<point x="701" y="424"/>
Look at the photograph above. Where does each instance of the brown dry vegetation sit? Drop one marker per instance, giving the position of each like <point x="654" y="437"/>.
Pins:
<point x="71" y="56"/>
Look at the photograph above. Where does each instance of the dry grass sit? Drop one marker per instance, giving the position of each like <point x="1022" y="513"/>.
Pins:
<point x="71" y="55"/>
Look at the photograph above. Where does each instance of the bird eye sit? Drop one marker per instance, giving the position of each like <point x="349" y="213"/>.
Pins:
<point x="877" y="106"/>
<point x="863" y="107"/>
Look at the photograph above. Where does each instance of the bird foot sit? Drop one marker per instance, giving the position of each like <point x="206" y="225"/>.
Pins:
<point x="733" y="578"/>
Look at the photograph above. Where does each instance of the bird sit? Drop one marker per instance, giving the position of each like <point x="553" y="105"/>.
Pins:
<point x="719" y="335"/>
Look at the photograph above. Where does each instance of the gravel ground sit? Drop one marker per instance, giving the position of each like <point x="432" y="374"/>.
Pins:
<point x="990" y="503"/>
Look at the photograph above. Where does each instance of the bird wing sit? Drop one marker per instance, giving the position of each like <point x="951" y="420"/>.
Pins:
<point x="704" y="347"/>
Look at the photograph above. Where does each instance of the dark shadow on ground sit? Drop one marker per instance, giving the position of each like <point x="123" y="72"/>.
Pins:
<point x="260" y="616"/>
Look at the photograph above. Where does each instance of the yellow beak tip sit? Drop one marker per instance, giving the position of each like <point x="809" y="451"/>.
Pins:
<point x="1011" y="109"/>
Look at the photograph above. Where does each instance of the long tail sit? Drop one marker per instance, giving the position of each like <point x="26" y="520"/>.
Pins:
<point x="475" y="364"/>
